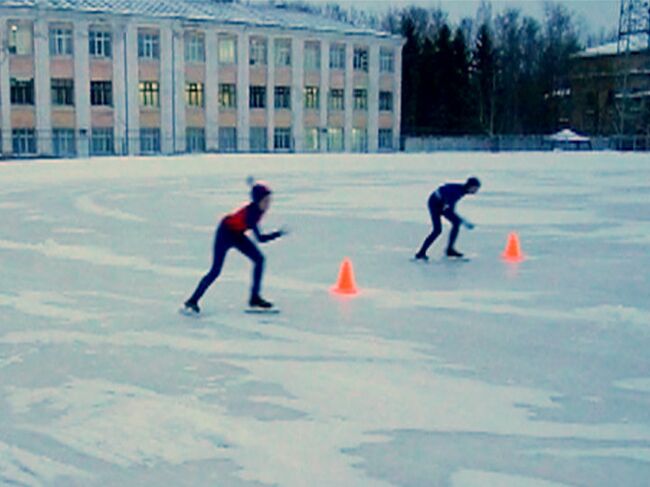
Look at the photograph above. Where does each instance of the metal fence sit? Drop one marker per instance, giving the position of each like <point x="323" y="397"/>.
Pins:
<point x="511" y="143"/>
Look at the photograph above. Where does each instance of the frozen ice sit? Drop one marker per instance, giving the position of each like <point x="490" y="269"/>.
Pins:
<point x="451" y="374"/>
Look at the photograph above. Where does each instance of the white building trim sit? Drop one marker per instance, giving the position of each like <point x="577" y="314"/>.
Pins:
<point x="82" y="87"/>
<point x="373" y="98"/>
<point x="349" y="92"/>
<point x="5" y="91"/>
<point x="270" y="94"/>
<point x="42" y="86"/>
<point x="132" y="89"/>
<point x="211" y="90"/>
<point x="324" y="93"/>
<point x="243" y="92"/>
<point x="297" y="92"/>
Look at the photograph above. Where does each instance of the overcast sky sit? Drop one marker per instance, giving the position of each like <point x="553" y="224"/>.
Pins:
<point x="597" y="13"/>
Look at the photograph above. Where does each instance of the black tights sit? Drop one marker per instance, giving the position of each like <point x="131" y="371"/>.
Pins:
<point x="437" y="211"/>
<point x="223" y="242"/>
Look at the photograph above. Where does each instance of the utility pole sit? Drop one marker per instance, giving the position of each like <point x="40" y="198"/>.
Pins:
<point x="633" y="35"/>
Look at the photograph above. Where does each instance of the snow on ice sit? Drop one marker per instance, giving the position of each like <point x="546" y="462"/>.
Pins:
<point x="480" y="373"/>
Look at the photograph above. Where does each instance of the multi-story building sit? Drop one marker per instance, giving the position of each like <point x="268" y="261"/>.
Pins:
<point x="610" y="90"/>
<point x="91" y="77"/>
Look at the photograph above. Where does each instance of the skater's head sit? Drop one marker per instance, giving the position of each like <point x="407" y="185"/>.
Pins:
<point x="261" y="195"/>
<point x="472" y="185"/>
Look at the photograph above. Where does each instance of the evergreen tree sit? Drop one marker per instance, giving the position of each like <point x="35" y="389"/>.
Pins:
<point x="484" y="79"/>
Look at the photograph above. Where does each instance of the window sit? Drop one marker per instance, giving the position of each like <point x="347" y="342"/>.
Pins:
<point x="361" y="99"/>
<point x="259" y="139"/>
<point x="257" y="51"/>
<point x="100" y="43"/>
<point x="258" y="96"/>
<point x="24" y="141"/>
<point x="60" y="42"/>
<point x="337" y="56"/>
<point x="62" y="91"/>
<point x="195" y="139"/>
<point x="386" y="60"/>
<point x="337" y="99"/>
<point x="149" y="94"/>
<point x="312" y="97"/>
<point x="282" y="52"/>
<point x="312" y="55"/>
<point x="361" y="59"/>
<point x="22" y="91"/>
<point x="282" y="138"/>
<point x="359" y="140"/>
<point x="63" y="142"/>
<point x="228" y="139"/>
<point x="194" y="94"/>
<point x="20" y="39"/>
<point x="227" y="50"/>
<point x="150" y="141"/>
<point x="283" y="97"/>
<point x="335" y="141"/>
<point x="385" y="139"/>
<point x="194" y="47"/>
<point x="386" y="101"/>
<point x="102" y="142"/>
<point x="101" y="93"/>
<point x="148" y="45"/>
<point x="312" y="139"/>
<point x="227" y="96"/>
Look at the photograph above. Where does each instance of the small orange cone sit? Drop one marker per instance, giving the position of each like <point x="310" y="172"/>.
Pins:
<point x="513" y="252"/>
<point x="345" y="283"/>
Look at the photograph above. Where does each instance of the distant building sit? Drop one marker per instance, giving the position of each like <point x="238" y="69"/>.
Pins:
<point x="603" y="102"/>
<point x="97" y="77"/>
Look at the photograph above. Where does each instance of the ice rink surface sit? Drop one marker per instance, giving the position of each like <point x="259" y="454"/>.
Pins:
<point x="451" y="374"/>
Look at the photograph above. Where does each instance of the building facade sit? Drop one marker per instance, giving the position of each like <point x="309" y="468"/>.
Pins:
<point x="610" y="90"/>
<point x="180" y="76"/>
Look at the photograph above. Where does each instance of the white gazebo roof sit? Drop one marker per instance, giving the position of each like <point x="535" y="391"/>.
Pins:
<point x="567" y="135"/>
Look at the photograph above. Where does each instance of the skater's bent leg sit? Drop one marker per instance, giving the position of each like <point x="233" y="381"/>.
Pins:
<point x="221" y="247"/>
<point x="250" y="250"/>
<point x="455" y="228"/>
<point x="437" y="230"/>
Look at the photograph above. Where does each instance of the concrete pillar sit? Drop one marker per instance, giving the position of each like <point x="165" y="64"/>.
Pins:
<point x="5" y="93"/>
<point x="243" y="92"/>
<point x="397" y="99"/>
<point x="211" y="91"/>
<point x="120" y="94"/>
<point x="180" y="111"/>
<point x="82" y="88"/>
<point x="132" y="90"/>
<point x="167" y="89"/>
<point x="42" y="87"/>
<point x="297" y="92"/>
<point x="349" y="94"/>
<point x="270" y="95"/>
<point x="324" y="92"/>
<point x="373" y="98"/>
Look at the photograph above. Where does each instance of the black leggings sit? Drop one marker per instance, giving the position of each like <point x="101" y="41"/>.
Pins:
<point x="224" y="240"/>
<point x="437" y="210"/>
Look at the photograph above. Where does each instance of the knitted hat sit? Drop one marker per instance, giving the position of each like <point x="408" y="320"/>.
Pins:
<point x="259" y="191"/>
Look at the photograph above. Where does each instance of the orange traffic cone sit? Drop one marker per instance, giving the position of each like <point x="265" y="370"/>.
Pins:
<point x="513" y="252"/>
<point x="345" y="283"/>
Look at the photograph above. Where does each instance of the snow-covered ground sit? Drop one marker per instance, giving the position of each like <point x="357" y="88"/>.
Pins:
<point x="447" y="374"/>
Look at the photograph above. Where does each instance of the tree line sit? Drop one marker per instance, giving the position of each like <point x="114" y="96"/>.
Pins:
<point x="497" y="73"/>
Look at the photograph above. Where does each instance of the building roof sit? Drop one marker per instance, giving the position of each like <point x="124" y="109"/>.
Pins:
<point x="638" y="43"/>
<point x="205" y="10"/>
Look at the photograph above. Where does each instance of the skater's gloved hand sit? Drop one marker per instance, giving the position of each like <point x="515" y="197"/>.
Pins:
<point x="469" y="225"/>
<point x="283" y="231"/>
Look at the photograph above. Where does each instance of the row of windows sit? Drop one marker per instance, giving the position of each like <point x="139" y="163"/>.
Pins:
<point x="101" y="94"/>
<point x="100" y="44"/>
<point x="102" y="140"/>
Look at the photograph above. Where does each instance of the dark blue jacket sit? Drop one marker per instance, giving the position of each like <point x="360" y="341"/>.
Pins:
<point x="450" y="194"/>
<point x="247" y="218"/>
